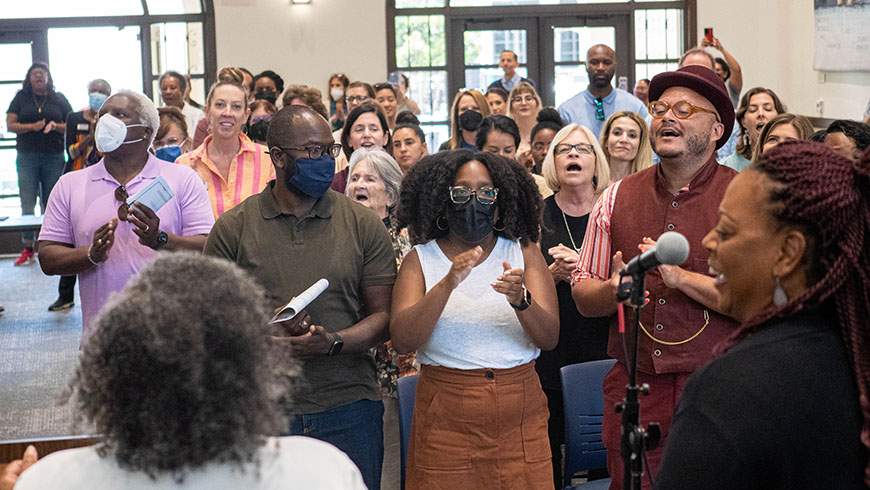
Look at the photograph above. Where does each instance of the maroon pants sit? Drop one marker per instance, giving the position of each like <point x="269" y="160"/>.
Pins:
<point x="665" y="391"/>
<point x="480" y="428"/>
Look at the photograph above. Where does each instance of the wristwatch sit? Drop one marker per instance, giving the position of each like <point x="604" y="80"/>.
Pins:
<point x="336" y="346"/>
<point x="162" y="240"/>
<point x="525" y="303"/>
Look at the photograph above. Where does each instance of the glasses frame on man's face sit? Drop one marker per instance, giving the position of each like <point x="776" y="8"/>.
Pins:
<point x="315" y="151"/>
<point x="486" y="195"/>
<point x="582" y="149"/>
<point x="678" y="109"/>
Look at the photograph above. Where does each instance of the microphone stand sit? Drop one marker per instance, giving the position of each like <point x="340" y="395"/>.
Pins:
<point x="635" y="439"/>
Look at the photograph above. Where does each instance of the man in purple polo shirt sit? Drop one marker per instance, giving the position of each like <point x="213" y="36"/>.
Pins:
<point x="89" y="230"/>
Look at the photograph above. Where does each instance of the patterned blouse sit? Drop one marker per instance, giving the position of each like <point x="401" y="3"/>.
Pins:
<point x="392" y="365"/>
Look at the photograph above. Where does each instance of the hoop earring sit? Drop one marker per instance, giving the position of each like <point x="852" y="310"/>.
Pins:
<point x="779" y="297"/>
<point x="495" y="227"/>
<point x="438" y="223"/>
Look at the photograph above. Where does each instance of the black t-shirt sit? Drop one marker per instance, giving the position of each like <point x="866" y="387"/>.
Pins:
<point x="581" y="339"/>
<point x="54" y="107"/>
<point x="778" y="411"/>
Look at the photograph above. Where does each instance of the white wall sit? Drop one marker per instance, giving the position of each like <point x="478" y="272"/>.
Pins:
<point x="304" y="43"/>
<point x="773" y="41"/>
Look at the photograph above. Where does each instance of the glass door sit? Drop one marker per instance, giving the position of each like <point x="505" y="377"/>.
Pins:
<point x="482" y="45"/>
<point x="18" y="50"/>
<point x="564" y="53"/>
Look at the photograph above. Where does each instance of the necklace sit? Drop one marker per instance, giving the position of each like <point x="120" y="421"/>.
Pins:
<point x="38" y="105"/>
<point x="570" y="235"/>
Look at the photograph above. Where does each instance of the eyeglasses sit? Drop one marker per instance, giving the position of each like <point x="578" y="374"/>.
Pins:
<point x="170" y="142"/>
<point x="356" y="98"/>
<point x="599" y="109"/>
<point x="582" y="148"/>
<point x="681" y="109"/>
<point x="124" y="208"/>
<point x="314" y="151"/>
<point x="460" y="194"/>
<point x="527" y="98"/>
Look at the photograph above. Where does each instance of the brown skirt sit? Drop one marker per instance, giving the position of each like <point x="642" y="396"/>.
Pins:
<point x="479" y="429"/>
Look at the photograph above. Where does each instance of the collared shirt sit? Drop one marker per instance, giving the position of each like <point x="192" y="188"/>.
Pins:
<point x="338" y="240"/>
<point x="250" y="170"/>
<point x="192" y="116"/>
<point x="581" y="109"/>
<point x="83" y="201"/>
<point x="503" y="83"/>
<point x="648" y="209"/>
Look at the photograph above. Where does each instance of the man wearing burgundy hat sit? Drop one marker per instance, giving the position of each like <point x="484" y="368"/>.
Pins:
<point x="692" y="116"/>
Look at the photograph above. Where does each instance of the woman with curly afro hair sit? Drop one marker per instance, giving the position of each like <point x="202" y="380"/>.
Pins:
<point x="186" y="389"/>
<point x="476" y="301"/>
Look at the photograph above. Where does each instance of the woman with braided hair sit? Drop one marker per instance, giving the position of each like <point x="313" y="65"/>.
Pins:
<point x="786" y="404"/>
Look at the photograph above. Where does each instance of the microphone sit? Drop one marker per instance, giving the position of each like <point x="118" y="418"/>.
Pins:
<point x="671" y="248"/>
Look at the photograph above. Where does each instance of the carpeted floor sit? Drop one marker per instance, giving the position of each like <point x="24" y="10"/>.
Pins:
<point x="38" y="354"/>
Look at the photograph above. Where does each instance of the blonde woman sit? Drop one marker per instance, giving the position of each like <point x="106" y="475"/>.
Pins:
<point x="524" y="103"/>
<point x="625" y="142"/>
<point x="575" y="167"/>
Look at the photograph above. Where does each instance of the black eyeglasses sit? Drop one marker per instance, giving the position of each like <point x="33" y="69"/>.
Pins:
<point x="356" y="98"/>
<point x="314" y="151"/>
<point x="124" y="208"/>
<point x="582" y="148"/>
<point x="599" y="109"/>
<point x="460" y="194"/>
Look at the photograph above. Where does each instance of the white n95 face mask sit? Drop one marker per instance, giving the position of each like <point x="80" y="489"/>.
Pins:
<point x="111" y="133"/>
<point x="336" y="93"/>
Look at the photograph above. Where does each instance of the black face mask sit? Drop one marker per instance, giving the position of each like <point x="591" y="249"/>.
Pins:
<point x="269" y="95"/>
<point x="259" y="130"/>
<point x="470" y="120"/>
<point x="472" y="221"/>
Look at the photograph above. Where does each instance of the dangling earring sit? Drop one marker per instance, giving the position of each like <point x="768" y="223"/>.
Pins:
<point x="499" y="225"/>
<point x="438" y="223"/>
<point x="779" y="297"/>
<point x="595" y="181"/>
<point x="746" y="139"/>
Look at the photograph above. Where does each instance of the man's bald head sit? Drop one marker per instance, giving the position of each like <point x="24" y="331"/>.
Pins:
<point x="292" y="121"/>
<point x="600" y="50"/>
<point x="600" y="66"/>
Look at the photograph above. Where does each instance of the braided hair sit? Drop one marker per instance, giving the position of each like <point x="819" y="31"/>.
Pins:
<point x="827" y="197"/>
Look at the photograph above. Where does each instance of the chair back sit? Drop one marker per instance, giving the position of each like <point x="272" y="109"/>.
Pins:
<point x="407" y="392"/>
<point x="584" y="409"/>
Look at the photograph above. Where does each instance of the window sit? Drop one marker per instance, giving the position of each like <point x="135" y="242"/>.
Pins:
<point x="550" y="37"/>
<point x="65" y="34"/>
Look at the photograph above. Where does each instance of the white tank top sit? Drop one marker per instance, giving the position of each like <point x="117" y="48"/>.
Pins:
<point x="478" y="327"/>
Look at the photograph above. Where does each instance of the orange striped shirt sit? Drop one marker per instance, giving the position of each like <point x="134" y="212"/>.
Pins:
<point x="250" y="170"/>
<point x="595" y="259"/>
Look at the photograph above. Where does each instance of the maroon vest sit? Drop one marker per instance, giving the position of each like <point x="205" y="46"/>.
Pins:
<point x="644" y="207"/>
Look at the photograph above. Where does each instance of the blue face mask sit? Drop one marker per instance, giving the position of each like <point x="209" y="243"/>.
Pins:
<point x="95" y="100"/>
<point x="313" y="176"/>
<point x="168" y="153"/>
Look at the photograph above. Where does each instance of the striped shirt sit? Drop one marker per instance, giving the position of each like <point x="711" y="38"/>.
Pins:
<point x="250" y="170"/>
<point x="595" y="254"/>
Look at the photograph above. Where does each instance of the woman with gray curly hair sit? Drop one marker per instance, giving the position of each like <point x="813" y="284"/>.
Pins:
<point x="186" y="388"/>
<point x="375" y="180"/>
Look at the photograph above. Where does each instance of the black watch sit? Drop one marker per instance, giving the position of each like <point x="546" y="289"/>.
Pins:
<point x="337" y="344"/>
<point x="525" y="303"/>
<point x="162" y="240"/>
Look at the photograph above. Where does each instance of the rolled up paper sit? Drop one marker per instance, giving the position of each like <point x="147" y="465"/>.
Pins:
<point x="299" y="303"/>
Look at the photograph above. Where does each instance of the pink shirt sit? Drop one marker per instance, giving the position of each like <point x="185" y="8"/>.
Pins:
<point x="83" y="201"/>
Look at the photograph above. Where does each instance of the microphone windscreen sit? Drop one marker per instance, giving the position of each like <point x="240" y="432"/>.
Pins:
<point x="672" y="248"/>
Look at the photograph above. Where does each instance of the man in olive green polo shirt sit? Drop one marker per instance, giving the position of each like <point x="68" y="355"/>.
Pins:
<point x="295" y="232"/>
